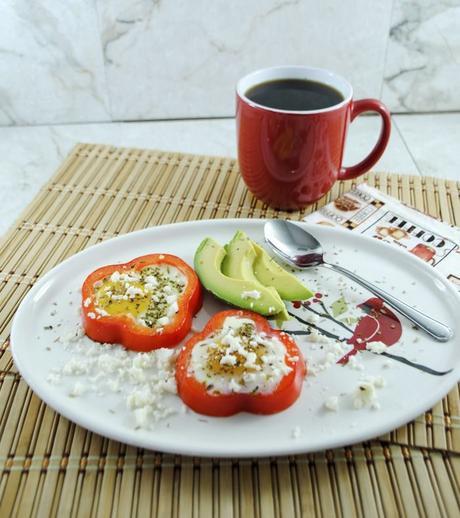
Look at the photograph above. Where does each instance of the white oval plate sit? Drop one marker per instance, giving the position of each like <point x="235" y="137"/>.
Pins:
<point x="306" y="426"/>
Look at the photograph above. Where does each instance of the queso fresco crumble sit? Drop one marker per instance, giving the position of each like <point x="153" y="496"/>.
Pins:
<point x="150" y="295"/>
<point x="238" y="359"/>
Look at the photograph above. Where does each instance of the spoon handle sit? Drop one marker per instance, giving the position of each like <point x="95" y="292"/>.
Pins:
<point x="436" y="329"/>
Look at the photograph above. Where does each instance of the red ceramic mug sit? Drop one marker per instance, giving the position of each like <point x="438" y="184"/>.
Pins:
<point x="290" y="159"/>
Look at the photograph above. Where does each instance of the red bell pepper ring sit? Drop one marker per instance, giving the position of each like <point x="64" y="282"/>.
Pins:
<point x="196" y="396"/>
<point x="122" y="328"/>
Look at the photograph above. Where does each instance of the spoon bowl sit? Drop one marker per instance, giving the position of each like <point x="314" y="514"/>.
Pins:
<point x="297" y="246"/>
<point x="293" y="244"/>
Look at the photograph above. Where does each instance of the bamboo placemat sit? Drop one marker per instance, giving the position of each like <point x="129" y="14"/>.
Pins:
<point x="51" y="466"/>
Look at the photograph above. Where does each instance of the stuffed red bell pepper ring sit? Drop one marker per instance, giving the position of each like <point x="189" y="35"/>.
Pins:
<point x="144" y="304"/>
<point x="239" y="363"/>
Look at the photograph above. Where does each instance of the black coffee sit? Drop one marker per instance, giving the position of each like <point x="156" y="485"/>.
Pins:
<point x="294" y="94"/>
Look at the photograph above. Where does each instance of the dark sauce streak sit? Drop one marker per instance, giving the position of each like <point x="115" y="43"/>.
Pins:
<point x="417" y="366"/>
<point x="322" y="331"/>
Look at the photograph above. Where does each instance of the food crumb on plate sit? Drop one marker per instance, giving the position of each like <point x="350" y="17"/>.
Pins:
<point x="147" y="379"/>
<point x="78" y="389"/>
<point x="296" y="432"/>
<point x="376" y="347"/>
<point x="365" y="394"/>
<point x="316" y="337"/>
<point x="332" y="403"/>
<point x="355" y="364"/>
<point x="54" y="378"/>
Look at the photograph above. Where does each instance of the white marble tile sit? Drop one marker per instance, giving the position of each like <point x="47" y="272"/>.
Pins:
<point x="422" y="71"/>
<point x="51" y="67"/>
<point x="182" y="59"/>
<point x="362" y="136"/>
<point x="433" y="141"/>
<point x="29" y="155"/>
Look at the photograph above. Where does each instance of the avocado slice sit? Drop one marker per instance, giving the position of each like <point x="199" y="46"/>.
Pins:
<point x="261" y="268"/>
<point x="239" y="261"/>
<point x="208" y="266"/>
<point x="239" y="264"/>
<point x="270" y="273"/>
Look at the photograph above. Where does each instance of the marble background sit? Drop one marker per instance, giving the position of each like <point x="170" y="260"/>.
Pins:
<point x="117" y="60"/>
<point x="422" y="67"/>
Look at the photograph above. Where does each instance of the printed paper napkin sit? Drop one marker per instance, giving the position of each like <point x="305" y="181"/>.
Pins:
<point x="370" y="212"/>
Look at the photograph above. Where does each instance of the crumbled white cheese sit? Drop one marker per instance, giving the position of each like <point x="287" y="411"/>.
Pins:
<point x="365" y="394"/>
<point x="116" y="296"/>
<point x="355" y="364"/>
<point x="378" y="381"/>
<point x="265" y="374"/>
<point x="92" y="315"/>
<point x="329" y="359"/>
<point x="115" y="277"/>
<point x="173" y="309"/>
<point x="254" y="294"/>
<point x="311" y="318"/>
<point x="332" y="403"/>
<point x="130" y="276"/>
<point x="376" y="347"/>
<point x="75" y="367"/>
<point x="151" y="280"/>
<point x="228" y="359"/>
<point x="163" y="321"/>
<point x="234" y="386"/>
<point x="127" y="289"/>
<point x="133" y="291"/>
<point x="170" y="299"/>
<point x="53" y="378"/>
<point x="336" y="348"/>
<point x="250" y="362"/>
<point x="146" y="379"/>
<point x="72" y="336"/>
<point x="314" y="336"/>
<point x="141" y="416"/>
<point x="296" y="432"/>
<point x="87" y="302"/>
<point x="78" y="389"/>
<point x="333" y="351"/>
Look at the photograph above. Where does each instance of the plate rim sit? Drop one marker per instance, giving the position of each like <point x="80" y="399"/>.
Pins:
<point x="119" y="434"/>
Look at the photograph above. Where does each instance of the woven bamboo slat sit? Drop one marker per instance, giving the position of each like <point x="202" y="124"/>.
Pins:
<point x="51" y="467"/>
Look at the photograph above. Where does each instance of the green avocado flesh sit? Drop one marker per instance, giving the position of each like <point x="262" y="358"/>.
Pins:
<point x="208" y="266"/>
<point x="239" y="264"/>
<point x="244" y="275"/>
<point x="239" y="260"/>
<point x="270" y="273"/>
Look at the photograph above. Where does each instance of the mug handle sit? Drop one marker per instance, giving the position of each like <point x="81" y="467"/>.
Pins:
<point x="358" y="107"/>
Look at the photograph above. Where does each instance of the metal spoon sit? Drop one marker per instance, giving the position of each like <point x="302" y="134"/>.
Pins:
<point x="297" y="246"/>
